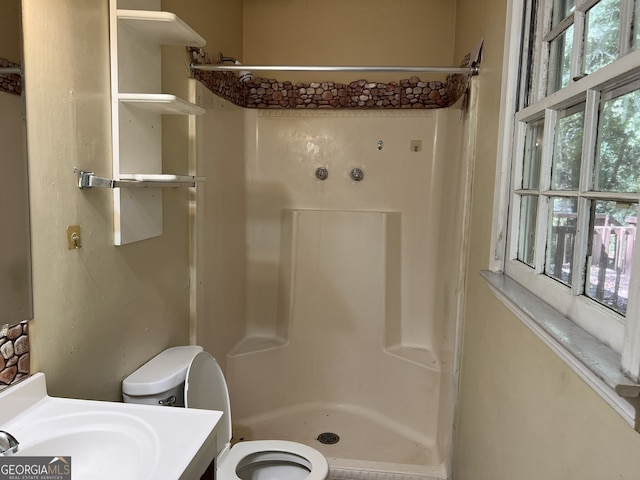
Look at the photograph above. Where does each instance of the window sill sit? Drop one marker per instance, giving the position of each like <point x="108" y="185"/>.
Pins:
<point x="596" y="363"/>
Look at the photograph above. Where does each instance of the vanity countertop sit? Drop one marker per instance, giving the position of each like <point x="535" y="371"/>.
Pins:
<point x="108" y="440"/>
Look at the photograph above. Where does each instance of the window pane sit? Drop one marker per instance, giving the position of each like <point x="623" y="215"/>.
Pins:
<point x="613" y="232"/>
<point x="618" y="155"/>
<point x="567" y="152"/>
<point x="561" y="9"/>
<point x="527" y="232"/>
<point x="532" y="154"/>
<point x="560" y="61"/>
<point x="562" y="230"/>
<point x="602" y="32"/>
<point x="529" y="54"/>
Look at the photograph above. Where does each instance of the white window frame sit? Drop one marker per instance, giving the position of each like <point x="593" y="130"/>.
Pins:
<point x="623" y="338"/>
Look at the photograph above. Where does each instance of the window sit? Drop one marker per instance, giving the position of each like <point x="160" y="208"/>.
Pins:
<point x="573" y="143"/>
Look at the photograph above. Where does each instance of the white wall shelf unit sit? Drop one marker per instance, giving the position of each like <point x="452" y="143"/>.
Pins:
<point x="161" y="103"/>
<point x="164" y="28"/>
<point x="138" y="30"/>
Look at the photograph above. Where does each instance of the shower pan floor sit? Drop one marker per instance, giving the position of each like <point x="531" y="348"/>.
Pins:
<point x="364" y="443"/>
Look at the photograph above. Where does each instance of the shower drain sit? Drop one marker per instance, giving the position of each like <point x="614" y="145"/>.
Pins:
<point x="328" y="438"/>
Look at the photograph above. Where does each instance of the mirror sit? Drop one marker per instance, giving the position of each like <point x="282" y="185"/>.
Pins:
<point x="15" y="248"/>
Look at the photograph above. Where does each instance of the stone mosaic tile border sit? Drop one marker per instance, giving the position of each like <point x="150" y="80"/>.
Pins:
<point x="14" y="354"/>
<point x="10" y="82"/>
<point x="361" y="94"/>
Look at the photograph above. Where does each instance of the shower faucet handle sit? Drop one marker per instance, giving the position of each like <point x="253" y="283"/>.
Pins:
<point x="322" y="173"/>
<point x="357" y="175"/>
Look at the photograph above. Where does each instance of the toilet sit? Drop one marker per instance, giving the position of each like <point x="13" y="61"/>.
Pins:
<point x="190" y="377"/>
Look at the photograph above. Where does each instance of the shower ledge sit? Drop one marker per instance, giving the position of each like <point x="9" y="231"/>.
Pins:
<point x="418" y="355"/>
<point x="256" y="343"/>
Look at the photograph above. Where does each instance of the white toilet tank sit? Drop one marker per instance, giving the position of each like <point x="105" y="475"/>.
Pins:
<point x="161" y="380"/>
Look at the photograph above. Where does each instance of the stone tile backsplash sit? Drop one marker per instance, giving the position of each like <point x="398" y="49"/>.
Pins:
<point x="14" y="354"/>
<point x="361" y="94"/>
<point x="10" y="82"/>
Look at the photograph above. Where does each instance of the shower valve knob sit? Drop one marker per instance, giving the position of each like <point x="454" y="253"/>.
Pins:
<point x="322" y="173"/>
<point x="357" y="175"/>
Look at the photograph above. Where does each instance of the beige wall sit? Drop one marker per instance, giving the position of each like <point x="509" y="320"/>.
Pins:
<point x="218" y="304"/>
<point x="522" y="413"/>
<point x="222" y="245"/>
<point x="10" y="47"/>
<point x="338" y="32"/>
<point x="103" y="310"/>
<point x="219" y="22"/>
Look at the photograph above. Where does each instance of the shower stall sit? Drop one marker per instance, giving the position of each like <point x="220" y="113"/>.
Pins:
<point x="350" y="262"/>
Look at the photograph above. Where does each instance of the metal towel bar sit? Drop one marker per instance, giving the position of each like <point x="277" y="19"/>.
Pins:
<point x="89" y="180"/>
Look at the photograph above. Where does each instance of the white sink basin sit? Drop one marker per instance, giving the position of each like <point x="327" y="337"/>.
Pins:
<point x="90" y="438"/>
<point x="107" y="440"/>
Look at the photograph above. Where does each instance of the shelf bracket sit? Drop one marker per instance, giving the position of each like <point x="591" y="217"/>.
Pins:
<point x="89" y="180"/>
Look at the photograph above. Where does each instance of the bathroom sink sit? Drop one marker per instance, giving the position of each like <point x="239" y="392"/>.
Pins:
<point x="92" y="440"/>
<point x="107" y="440"/>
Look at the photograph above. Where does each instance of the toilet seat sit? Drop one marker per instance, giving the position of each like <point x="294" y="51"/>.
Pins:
<point x="264" y="450"/>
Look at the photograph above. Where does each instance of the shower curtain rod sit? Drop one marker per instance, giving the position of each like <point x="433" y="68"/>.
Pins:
<point x="10" y="70"/>
<point x="473" y="70"/>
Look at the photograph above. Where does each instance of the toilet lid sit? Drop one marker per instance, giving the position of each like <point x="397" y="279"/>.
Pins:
<point x="206" y="388"/>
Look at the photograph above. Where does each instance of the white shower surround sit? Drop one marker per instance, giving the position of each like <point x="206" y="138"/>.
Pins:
<point x="418" y="203"/>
